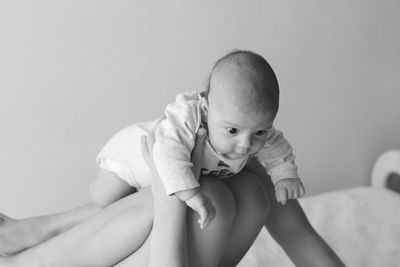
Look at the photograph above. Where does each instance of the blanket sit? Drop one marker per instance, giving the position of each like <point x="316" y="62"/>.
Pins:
<point x="361" y="224"/>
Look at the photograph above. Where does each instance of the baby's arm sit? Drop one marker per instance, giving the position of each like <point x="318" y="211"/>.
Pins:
<point x="174" y="140"/>
<point x="279" y="161"/>
<point x="200" y="203"/>
<point x="194" y="198"/>
<point x="288" y="188"/>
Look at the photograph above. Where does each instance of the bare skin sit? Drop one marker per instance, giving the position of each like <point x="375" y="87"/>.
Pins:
<point x="18" y="235"/>
<point x="97" y="235"/>
<point x="88" y="236"/>
<point x="290" y="227"/>
<point x="287" y="224"/>
<point x="242" y="205"/>
<point x="94" y="241"/>
<point x="296" y="235"/>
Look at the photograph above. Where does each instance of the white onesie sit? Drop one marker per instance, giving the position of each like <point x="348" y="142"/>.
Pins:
<point x="175" y="135"/>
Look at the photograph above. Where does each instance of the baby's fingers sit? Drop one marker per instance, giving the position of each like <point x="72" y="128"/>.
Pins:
<point x="302" y="191"/>
<point x="207" y="215"/>
<point x="204" y="220"/>
<point x="281" y="195"/>
<point x="296" y="193"/>
<point x="211" y="215"/>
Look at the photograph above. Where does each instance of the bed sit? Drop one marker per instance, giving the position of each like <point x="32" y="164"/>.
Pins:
<point x="361" y="224"/>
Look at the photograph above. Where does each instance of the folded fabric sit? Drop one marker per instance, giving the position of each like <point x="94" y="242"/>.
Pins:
<point x="361" y="224"/>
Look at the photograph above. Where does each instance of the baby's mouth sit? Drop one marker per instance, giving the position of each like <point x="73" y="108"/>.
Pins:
<point x="234" y="156"/>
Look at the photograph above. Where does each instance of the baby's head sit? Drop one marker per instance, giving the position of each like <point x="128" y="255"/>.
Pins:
<point x="243" y="100"/>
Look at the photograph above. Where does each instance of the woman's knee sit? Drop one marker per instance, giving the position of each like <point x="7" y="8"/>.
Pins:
<point x="221" y="197"/>
<point x="206" y="246"/>
<point x="250" y="193"/>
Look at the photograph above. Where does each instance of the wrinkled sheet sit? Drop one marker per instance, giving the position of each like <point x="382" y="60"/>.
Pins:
<point x="361" y="224"/>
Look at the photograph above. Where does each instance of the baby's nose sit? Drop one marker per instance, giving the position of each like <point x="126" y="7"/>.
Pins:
<point x="243" y="146"/>
<point x="244" y="142"/>
<point x="241" y="150"/>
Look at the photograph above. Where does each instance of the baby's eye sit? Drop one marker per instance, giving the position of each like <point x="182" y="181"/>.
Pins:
<point x="232" y="130"/>
<point x="261" y="133"/>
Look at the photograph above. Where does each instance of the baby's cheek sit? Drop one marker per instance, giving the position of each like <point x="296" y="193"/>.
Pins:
<point x="257" y="147"/>
<point x="222" y="145"/>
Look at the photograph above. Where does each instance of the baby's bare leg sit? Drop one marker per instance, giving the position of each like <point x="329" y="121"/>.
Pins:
<point x="108" y="188"/>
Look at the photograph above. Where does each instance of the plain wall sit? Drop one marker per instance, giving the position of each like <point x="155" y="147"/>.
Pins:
<point x="72" y="73"/>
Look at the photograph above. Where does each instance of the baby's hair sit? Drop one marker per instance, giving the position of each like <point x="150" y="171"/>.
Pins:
<point x="256" y="62"/>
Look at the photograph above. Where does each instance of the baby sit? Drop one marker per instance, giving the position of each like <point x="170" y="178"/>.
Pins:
<point x="235" y="114"/>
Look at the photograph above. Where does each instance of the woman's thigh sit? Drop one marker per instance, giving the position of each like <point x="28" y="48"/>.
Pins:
<point x="252" y="208"/>
<point x="205" y="246"/>
<point x="284" y="222"/>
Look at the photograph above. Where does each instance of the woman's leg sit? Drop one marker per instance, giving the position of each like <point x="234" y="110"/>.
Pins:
<point x="208" y="245"/>
<point x="221" y="238"/>
<point x="102" y="240"/>
<point x="289" y="226"/>
<point x="122" y="227"/>
<point x="205" y="247"/>
<point x="252" y="208"/>
<point x="114" y="233"/>
<point x="17" y="235"/>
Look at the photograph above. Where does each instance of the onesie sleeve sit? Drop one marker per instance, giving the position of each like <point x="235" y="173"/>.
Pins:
<point x="277" y="157"/>
<point x="175" y="135"/>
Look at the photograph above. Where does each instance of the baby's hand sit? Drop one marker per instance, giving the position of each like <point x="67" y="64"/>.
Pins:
<point x="289" y="188"/>
<point x="201" y="204"/>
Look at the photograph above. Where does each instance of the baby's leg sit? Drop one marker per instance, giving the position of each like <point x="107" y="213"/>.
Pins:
<point x="108" y="188"/>
<point x="252" y="208"/>
<point x="17" y="235"/>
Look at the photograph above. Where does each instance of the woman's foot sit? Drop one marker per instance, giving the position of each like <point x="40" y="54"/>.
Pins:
<point x="17" y="235"/>
<point x="8" y="262"/>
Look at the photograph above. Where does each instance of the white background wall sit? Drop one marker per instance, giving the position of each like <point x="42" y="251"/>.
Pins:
<point x="72" y="73"/>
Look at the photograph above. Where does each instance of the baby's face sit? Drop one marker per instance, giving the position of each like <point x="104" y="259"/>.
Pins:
<point x="240" y="113"/>
<point x="236" y="134"/>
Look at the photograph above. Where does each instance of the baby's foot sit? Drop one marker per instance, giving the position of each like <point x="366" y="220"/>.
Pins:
<point x="16" y="235"/>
